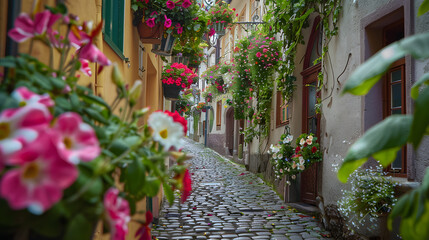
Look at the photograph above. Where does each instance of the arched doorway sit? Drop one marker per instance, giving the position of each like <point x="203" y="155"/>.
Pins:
<point x="310" y="119"/>
<point x="229" y="130"/>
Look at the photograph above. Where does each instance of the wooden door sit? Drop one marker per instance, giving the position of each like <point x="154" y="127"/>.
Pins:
<point x="229" y="131"/>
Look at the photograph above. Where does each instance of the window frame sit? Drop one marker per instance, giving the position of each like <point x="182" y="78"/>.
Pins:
<point x="280" y="105"/>
<point x="109" y="16"/>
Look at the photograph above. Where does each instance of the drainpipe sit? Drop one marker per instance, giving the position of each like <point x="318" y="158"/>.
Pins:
<point x="207" y="124"/>
<point x="13" y="9"/>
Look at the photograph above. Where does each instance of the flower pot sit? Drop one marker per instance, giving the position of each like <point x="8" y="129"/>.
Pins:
<point x="166" y="46"/>
<point x="219" y="28"/>
<point x="171" y="91"/>
<point x="148" y="34"/>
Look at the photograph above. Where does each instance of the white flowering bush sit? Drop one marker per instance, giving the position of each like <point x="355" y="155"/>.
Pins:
<point x="372" y="195"/>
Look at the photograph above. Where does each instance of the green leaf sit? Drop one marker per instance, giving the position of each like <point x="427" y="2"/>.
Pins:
<point x="57" y="83"/>
<point x="151" y="188"/>
<point x="75" y="102"/>
<point x="168" y="193"/>
<point x="380" y="142"/>
<point x="49" y="224"/>
<point x="134" y="7"/>
<point x="368" y="74"/>
<point x="415" y="89"/>
<point x="135" y="177"/>
<point x="8" y="62"/>
<point x="424" y="7"/>
<point x="43" y="81"/>
<point x="118" y="147"/>
<point x="95" y="115"/>
<point x="89" y="98"/>
<point x="7" y="102"/>
<point x="63" y="103"/>
<point x="79" y="228"/>
<point x="421" y="118"/>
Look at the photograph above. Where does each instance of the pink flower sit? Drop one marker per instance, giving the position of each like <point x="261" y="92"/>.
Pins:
<point x="20" y="126"/>
<point x="186" y="3"/>
<point x="118" y="213"/>
<point x="85" y="67"/>
<point x="27" y="97"/>
<point x="258" y="54"/>
<point x="40" y="177"/>
<point x="144" y="230"/>
<point x="93" y="54"/>
<point x="76" y="140"/>
<point x="167" y="22"/>
<point x="264" y="50"/>
<point x="180" y="30"/>
<point x="170" y="4"/>
<point x="211" y="32"/>
<point x="150" y="22"/>
<point x="25" y="27"/>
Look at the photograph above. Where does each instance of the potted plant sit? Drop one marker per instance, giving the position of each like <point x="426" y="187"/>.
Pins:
<point x="173" y="19"/>
<point x="201" y="106"/>
<point x="67" y="161"/>
<point x="221" y="16"/>
<point x="369" y="201"/>
<point x="176" y="77"/>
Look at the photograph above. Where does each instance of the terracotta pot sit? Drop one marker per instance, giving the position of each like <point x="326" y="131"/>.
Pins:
<point x="148" y="34"/>
<point x="171" y="91"/>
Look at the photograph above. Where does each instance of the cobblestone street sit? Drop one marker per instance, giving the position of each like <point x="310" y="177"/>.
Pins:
<point x="228" y="202"/>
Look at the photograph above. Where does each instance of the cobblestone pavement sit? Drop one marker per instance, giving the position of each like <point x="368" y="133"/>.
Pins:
<point x="228" y="202"/>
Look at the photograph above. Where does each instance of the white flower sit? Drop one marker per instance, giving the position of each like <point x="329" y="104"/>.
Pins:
<point x="288" y="139"/>
<point x="302" y="167"/>
<point x="301" y="160"/>
<point x="293" y="176"/>
<point x="275" y="148"/>
<point x="302" y="142"/>
<point x="310" y="137"/>
<point x="165" y="130"/>
<point x="288" y="182"/>
<point x="281" y="170"/>
<point x="280" y="156"/>
<point x="309" y="141"/>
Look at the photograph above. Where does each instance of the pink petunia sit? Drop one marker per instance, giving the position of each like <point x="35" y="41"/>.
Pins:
<point x="40" y="177"/>
<point x="25" y="27"/>
<point x="75" y="139"/>
<point x="167" y="22"/>
<point x="27" y="97"/>
<point x="170" y="4"/>
<point x="150" y="22"/>
<point x="211" y="32"/>
<point x="118" y="213"/>
<point x="186" y="3"/>
<point x="21" y="126"/>
<point x="258" y="54"/>
<point x="85" y="67"/>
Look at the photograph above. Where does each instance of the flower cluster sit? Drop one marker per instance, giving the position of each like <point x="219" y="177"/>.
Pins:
<point x="221" y="13"/>
<point x="173" y="16"/>
<point x="219" y="78"/>
<point x="200" y="106"/>
<point x="287" y="160"/>
<point x="372" y="195"/>
<point x="264" y="52"/>
<point x="178" y="74"/>
<point x="64" y="151"/>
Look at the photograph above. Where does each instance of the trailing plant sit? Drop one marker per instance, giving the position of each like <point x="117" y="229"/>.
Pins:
<point x="288" y="19"/>
<point x="183" y="104"/>
<point x="221" y="13"/>
<point x="178" y="74"/>
<point x="384" y="140"/>
<point x="372" y="195"/>
<point x="241" y="82"/>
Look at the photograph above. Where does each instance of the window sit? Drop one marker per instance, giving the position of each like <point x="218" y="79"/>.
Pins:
<point x="283" y="111"/>
<point x="113" y="16"/>
<point x="141" y="58"/>
<point x="394" y="91"/>
<point x="219" y="113"/>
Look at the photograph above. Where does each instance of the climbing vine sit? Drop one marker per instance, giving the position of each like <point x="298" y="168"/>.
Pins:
<point x="288" y="18"/>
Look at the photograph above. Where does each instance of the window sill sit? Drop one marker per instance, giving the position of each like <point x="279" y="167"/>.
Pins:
<point x="114" y="47"/>
<point x="282" y="124"/>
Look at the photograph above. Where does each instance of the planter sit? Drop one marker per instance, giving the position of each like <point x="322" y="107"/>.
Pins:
<point x="219" y="28"/>
<point x="184" y="60"/>
<point x="378" y="228"/>
<point x="148" y="34"/>
<point x="171" y="91"/>
<point x="166" y="46"/>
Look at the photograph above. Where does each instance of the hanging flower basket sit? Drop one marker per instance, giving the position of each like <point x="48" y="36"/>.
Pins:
<point x="171" y="91"/>
<point x="148" y="34"/>
<point x="181" y="59"/>
<point x="166" y="46"/>
<point x="219" y="28"/>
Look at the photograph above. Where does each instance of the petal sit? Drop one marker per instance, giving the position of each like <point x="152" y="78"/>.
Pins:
<point x="25" y="23"/>
<point x="41" y="21"/>
<point x="68" y="123"/>
<point x="18" y="36"/>
<point x="93" y="54"/>
<point x="45" y="196"/>
<point x="9" y="146"/>
<point x="13" y="190"/>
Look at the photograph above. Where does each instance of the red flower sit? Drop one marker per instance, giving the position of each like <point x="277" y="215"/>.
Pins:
<point x="185" y="179"/>
<point x="314" y="149"/>
<point x="143" y="233"/>
<point x="297" y="149"/>
<point x="179" y="119"/>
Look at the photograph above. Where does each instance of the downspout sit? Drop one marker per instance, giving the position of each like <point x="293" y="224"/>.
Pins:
<point x="13" y="9"/>
<point x="99" y="43"/>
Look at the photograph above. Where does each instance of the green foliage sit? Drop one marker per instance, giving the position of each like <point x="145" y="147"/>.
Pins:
<point x="289" y="18"/>
<point x="395" y="131"/>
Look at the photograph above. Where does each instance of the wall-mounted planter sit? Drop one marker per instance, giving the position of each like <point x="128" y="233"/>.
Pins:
<point x="171" y="91"/>
<point x="148" y="34"/>
<point x="166" y="46"/>
<point x="219" y="28"/>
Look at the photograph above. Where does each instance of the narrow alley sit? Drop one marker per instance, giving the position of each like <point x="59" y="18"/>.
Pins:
<point x="228" y="202"/>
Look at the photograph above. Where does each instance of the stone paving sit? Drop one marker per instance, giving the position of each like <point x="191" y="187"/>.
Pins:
<point x="228" y="202"/>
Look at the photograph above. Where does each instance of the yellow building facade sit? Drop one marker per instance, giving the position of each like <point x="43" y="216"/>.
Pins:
<point x="134" y="59"/>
